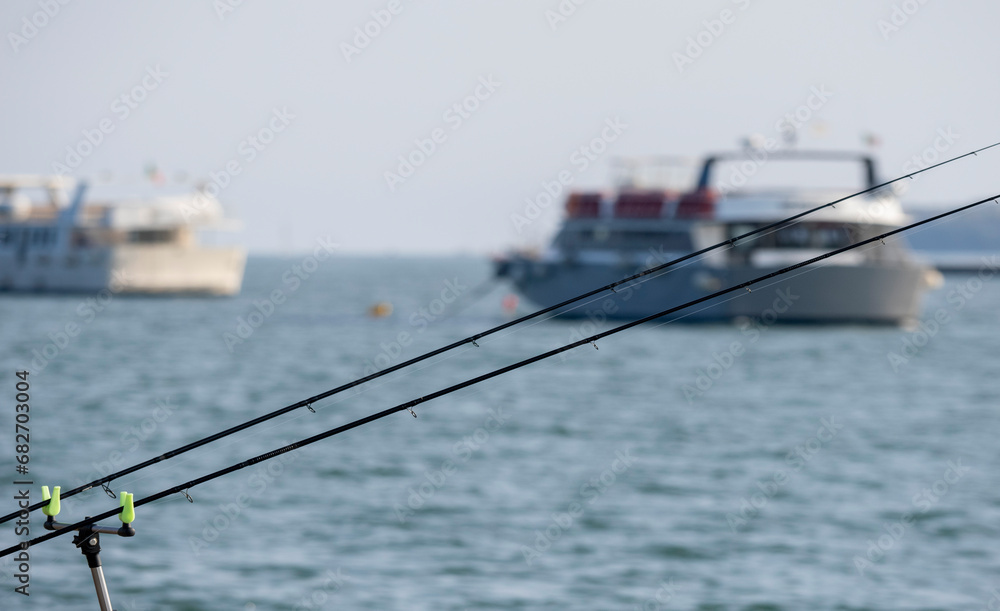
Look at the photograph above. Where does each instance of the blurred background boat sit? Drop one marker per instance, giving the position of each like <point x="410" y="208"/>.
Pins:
<point x="52" y="243"/>
<point x="646" y="221"/>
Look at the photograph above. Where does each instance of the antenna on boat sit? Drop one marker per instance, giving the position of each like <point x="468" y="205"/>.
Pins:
<point x="753" y="142"/>
<point x="473" y="339"/>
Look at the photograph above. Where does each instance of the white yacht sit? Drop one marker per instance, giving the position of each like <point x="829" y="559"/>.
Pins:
<point x="50" y="242"/>
<point x="607" y="236"/>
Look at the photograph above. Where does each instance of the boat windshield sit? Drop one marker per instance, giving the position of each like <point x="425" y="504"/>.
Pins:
<point x="825" y="236"/>
<point x="783" y="171"/>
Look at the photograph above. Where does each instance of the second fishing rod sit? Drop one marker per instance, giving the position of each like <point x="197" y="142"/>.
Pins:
<point x="472" y="340"/>
<point x="409" y="405"/>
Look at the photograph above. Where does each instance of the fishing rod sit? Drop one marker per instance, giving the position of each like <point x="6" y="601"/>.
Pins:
<point x="409" y="405"/>
<point x="472" y="339"/>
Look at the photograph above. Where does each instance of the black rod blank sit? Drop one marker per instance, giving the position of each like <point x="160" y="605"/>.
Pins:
<point x="470" y="340"/>
<point x="482" y="378"/>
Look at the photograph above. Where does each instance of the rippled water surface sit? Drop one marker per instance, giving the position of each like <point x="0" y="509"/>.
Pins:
<point x="814" y="470"/>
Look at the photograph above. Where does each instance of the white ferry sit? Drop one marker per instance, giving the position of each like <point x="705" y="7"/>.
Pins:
<point x="607" y="236"/>
<point x="52" y="243"/>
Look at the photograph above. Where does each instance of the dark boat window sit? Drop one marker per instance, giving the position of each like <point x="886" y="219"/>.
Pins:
<point x="644" y="240"/>
<point x="626" y="240"/>
<point x="150" y="236"/>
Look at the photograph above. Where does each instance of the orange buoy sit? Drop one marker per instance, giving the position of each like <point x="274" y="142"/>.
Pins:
<point x="381" y="309"/>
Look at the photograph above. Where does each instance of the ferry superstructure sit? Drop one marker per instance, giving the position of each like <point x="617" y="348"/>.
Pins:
<point x="53" y="242"/>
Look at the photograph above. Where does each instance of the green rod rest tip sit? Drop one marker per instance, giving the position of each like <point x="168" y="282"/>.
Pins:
<point x="52" y="509"/>
<point x="127" y="516"/>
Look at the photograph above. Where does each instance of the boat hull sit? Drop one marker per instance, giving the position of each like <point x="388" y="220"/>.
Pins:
<point x="860" y="294"/>
<point x="163" y="269"/>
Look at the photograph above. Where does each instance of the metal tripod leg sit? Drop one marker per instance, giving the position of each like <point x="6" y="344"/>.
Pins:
<point x="102" y="588"/>
<point x="90" y="544"/>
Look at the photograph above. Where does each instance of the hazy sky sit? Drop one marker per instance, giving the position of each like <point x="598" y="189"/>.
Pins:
<point x="200" y="80"/>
